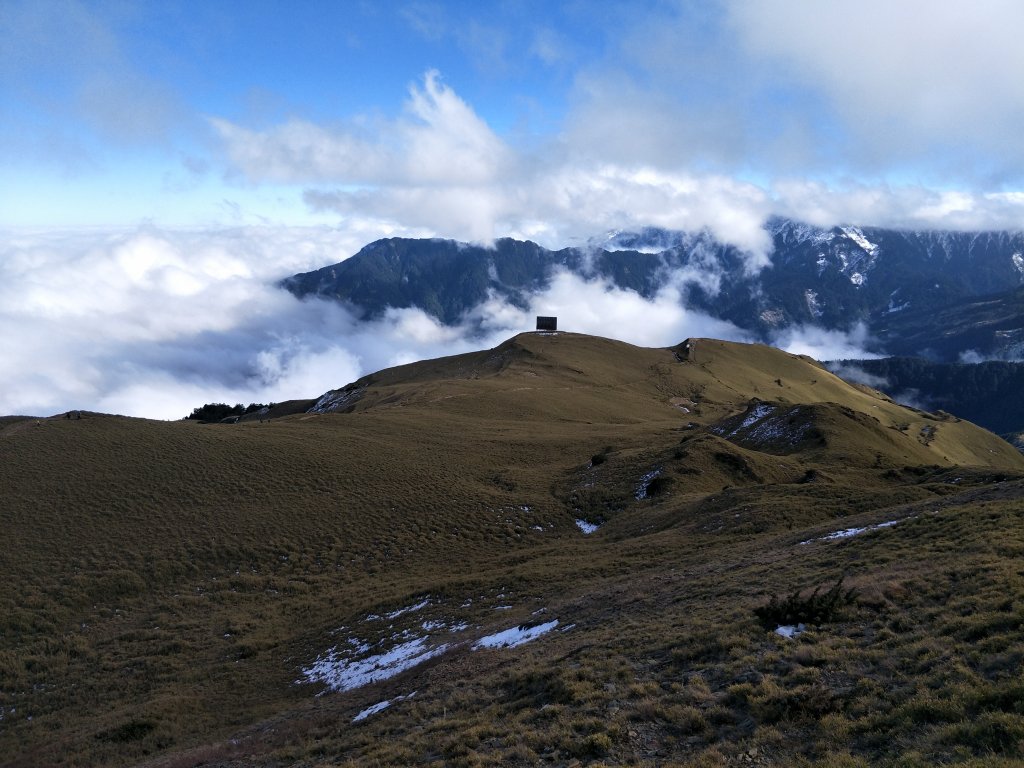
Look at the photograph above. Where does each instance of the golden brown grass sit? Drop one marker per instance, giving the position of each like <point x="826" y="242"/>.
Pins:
<point x="167" y="582"/>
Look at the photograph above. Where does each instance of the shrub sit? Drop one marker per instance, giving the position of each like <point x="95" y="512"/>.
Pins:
<point x="133" y="730"/>
<point x="219" y="411"/>
<point x="658" y="486"/>
<point x="817" y="608"/>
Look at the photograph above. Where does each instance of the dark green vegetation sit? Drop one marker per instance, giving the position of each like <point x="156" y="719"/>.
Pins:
<point x="221" y="411"/>
<point x="167" y="584"/>
<point x="814" y="609"/>
<point x="991" y="325"/>
<point x="990" y="394"/>
<point x="940" y="292"/>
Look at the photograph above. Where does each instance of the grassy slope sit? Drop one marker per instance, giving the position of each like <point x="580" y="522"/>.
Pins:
<point x="167" y="582"/>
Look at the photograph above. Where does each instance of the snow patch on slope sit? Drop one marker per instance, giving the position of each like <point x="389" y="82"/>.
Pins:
<point x="510" y="638"/>
<point x="380" y="707"/>
<point x="336" y="400"/>
<point x="341" y="671"/>
<point x="894" y="304"/>
<point x="408" y="609"/>
<point x="813" y="303"/>
<point x="645" y="484"/>
<point x="857" y="235"/>
<point x="789" y="631"/>
<point x="846" y="533"/>
<point x="766" y="425"/>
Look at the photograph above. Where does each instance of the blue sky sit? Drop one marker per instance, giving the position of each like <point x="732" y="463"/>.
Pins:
<point x="163" y="164"/>
<point x="118" y="112"/>
<point x="109" y="104"/>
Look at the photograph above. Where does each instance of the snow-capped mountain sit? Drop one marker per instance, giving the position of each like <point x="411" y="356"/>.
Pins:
<point x="909" y="287"/>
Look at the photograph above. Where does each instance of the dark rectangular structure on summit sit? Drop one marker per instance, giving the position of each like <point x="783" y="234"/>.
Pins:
<point x="547" y="323"/>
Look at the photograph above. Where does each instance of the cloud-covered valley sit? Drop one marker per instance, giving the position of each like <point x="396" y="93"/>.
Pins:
<point x="153" y="322"/>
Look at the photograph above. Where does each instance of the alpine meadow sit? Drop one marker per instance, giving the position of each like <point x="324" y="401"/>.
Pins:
<point x="563" y="549"/>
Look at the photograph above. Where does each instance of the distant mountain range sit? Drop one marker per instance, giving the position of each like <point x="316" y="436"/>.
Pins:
<point x="931" y="293"/>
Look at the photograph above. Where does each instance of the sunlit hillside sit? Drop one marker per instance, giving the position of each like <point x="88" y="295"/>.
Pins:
<point x="562" y="549"/>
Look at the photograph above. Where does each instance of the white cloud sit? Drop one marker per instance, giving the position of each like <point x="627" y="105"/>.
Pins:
<point x="155" y="322"/>
<point x="439" y="141"/>
<point x="901" y="207"/>
<point x="822" y="344"/>
<point x="907" y="79"/>
<point x="95" y="319"/>
<point x="858" y="375"/>
<point x="441" y="168"/>
<point x="596" y="307"/>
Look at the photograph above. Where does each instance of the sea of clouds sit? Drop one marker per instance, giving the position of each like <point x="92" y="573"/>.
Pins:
<point x="154" y="322"/>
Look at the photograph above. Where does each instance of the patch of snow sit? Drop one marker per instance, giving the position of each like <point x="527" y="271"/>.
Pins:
<point x="409" y="609"/>
<point x="436" y="626"/>
<point x="857" y="279"/>
<point x="1018" y="262"/>
<point x="371" y="710"/>
<point x="789" y="631"/>
<point x="848" y="532"/>
<point x="380" y="707"/>
<point x="587" y="528"/>
<point x="336" y="399"/>
<point x="760" y="411"/>
<point x="645" y="483"/>
<point x="822" y="263"/>
<point x="893" y="305"/>
<point x="813" y="303"/>
<point x="767" y="423"/>
<point x="510" y="638"/>
<point x="796" y="232"/>
<point x="856" y="235"/>
<point x="358" y="646"/>
<point x="341" y="672"/>
<point x="778" y="428"/>
<point x="844" y="534"/>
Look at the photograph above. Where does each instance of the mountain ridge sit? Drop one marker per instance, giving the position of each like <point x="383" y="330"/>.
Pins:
<point x="828" y="277"/>
<point x="724" y="378"/>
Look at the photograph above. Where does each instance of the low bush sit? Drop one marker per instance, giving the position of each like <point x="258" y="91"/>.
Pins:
<point x="816" y="608"/>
